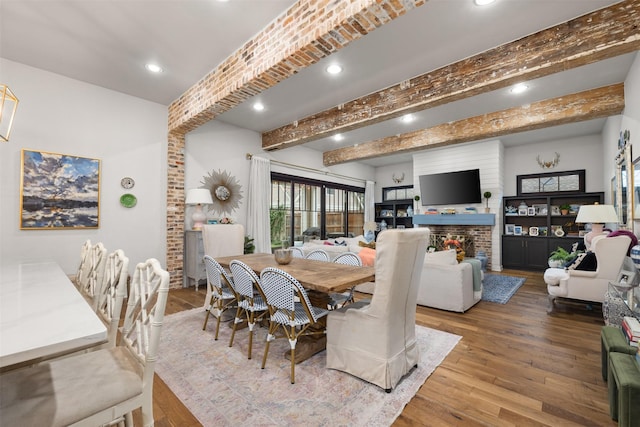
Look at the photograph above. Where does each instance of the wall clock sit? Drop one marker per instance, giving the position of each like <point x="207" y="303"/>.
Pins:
<point x="127" y="182"/>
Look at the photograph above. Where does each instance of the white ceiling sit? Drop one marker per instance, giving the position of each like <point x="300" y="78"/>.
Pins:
<point x="107" y="43"/>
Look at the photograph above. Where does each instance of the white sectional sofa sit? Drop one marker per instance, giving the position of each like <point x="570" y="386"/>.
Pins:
<point x="335" y="248"/>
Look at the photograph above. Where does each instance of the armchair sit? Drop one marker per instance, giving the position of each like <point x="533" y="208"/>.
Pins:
<point x="590" y="286"/>
<point x="376" y="341"/>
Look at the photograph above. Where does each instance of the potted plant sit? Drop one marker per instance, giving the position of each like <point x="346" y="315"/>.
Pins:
<point x="565" y="208"/>
<point x="559" y="257"/>
<point x="417" y="199"/>
<point x="487" y="196"/>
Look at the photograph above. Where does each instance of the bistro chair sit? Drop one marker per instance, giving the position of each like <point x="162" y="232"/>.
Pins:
<point x="340" y="299"/>
<point x="102" y="387"/>
<point x="377" y="342"/>
<point x="295" y="319"/>
<point x="223" y="295"/>
<point x="251" y="302"/>
<point x="297" y="252"/>
<point x="318" y="255"/>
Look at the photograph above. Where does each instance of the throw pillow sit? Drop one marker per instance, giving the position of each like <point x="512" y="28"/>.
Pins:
<point x="371" y="245"/>
<point x="447" y="257"/>
<point x="328" y="243"/>
<point x="585" y="261"/>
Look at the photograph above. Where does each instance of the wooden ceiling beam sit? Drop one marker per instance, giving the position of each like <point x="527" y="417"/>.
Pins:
<point x="599" y="35"/>
<point x="592" y="104"/>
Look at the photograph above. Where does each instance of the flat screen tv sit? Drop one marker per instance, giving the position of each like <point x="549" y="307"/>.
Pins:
<point x="450" y="188"/>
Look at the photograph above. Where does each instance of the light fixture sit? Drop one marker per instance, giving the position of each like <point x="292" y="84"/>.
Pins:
<point x="597" y="215"/>
<point x="153" y="68"/>
<point x="483" y="2"/>
<point x="338" y="137"/>
<point x="334" y="69"/>
<point x="519" y="88"/>
<point x="198" y="197"/>
<point x="7" y="111"/>
<point x="258" y="106"/>
<point x="407" y="118"/>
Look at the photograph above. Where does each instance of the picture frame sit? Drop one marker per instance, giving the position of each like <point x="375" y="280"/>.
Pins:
<point x="58" y="191"/>
<point x="533" y="231"/>
<point x="582" y="233"/>
<point x="541" y="209"/>
<point x="517" y="230"/>
<point x="509" y="229"/>
<point x="555" y="210"/>
<point x="626" y="276"/>
<point x="531" y="211"/>
<point x="543" y="231"/>
<point x="522" y="211"/>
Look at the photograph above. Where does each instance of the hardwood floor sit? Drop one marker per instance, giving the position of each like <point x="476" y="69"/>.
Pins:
<point x="515" y="365"/>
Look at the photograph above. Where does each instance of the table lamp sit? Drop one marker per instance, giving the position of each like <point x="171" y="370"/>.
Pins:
<point x="198" y="197"/>
<point x="597" y="215"/>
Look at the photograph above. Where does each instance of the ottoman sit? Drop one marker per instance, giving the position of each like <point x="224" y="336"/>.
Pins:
<point x="624" y="389"/>
<point x="612" y="341"/>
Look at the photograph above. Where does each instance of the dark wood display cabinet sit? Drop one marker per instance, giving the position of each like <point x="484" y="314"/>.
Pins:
<point x="395" y="213"/>
<point x="534" y="226"/>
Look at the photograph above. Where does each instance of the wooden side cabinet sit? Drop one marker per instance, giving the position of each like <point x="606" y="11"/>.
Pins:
<point x="193" y="264"/>
<point x="524" y="253"/>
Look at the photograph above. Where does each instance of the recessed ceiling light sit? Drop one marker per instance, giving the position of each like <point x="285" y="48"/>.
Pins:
<point x="338" y="137"/>
<point x="483" y="2"/>
<point x="519" y="88"/>
<point x="334" y="69"/>
<point x="153" y="68"/>
<point x="258" y="106"/>
<point x="407" y="118"/>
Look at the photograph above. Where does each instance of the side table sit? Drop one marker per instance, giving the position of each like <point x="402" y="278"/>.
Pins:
<point x="193" y="263"/>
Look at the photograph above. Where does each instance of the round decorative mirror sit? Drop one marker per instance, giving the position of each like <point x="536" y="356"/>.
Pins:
<point x="225" y="191"/>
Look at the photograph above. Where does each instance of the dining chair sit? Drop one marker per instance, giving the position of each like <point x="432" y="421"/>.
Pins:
<point x="90" y="284"/>
<point x="82" y="274"/>
<point x="251" y="302"/>
<point x="318" y="255"/>
<point x="340" y="299"/>
<point x="297" y="252"/>
<point x="101" y="387"/>
<point x="295" y="319"/>
<point x="110" y="299"/>
<point x="223" y="295"/>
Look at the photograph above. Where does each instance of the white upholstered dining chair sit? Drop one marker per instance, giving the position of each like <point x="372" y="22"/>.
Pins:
<point x="376" y="342"/>
<point x="220" y="240"/>
<point x="101" y="387"/>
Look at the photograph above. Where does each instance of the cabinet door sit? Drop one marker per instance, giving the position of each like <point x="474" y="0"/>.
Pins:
<point x="537" y="253"/>
<point x="513" y="252"/>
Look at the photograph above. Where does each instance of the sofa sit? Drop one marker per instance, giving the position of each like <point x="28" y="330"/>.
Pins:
<point x="334" y="247"/>
<point x="445" y="284"/>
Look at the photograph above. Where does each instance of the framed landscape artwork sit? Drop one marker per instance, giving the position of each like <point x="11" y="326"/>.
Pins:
<point x="59" y="191"/>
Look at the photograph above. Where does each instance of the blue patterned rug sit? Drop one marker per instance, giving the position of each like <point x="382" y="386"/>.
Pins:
<point x="498" y="288"/>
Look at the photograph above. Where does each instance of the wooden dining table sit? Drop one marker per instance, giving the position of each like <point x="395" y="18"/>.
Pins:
<point x="320" y="276"/>
<point x="42" y="314"/>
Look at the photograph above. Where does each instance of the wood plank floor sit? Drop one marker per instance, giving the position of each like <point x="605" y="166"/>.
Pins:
<point x="516" y="365"/>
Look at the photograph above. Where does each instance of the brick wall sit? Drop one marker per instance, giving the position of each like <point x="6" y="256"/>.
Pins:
<point x="309" y="31"/>
<point x="480" y="234"/>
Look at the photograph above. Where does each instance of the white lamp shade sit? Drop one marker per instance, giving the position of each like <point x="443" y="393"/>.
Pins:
<point x="199" y="196"/>
<point x="598" y="214"/>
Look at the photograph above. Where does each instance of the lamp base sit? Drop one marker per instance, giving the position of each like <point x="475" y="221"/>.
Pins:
<point x="596" y="230"/>
<point x="198" y="217"/>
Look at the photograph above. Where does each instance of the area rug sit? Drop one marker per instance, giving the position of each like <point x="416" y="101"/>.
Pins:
<point x="221" y="387"/>
<point x="498" y="288"/>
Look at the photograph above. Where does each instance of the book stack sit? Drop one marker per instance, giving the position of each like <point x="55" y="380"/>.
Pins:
<point x="631" y="329"/>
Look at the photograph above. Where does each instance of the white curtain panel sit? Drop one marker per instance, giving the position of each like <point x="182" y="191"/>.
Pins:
<point x="369" y="201"/>
<point x="258" y="226"/>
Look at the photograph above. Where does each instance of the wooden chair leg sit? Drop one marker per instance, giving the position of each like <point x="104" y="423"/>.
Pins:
<point x="218" y="327"/>
<point x="235" y="323"/>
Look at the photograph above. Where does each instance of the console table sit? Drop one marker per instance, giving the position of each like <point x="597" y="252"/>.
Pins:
<point x="193" y="263"/>
<point x="620" y="302"/>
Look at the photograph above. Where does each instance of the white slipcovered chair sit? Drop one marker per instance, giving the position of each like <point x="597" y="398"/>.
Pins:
<point x="220" y="240"/>
<point x="377" y="342"/>
<point x="101" y="387"/>
<point x="589" y="286"/>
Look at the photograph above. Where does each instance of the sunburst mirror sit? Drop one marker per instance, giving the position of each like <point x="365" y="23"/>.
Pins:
<point x="225" y="191"/>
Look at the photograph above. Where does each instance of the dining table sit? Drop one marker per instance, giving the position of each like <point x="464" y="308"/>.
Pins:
<point x="42" y="314"/>
<point x="319" y="278"/>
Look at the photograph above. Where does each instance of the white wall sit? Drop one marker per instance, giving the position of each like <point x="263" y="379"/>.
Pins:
<point x="384" y="177"/>
<point x="221" y="146"/>
<point x="127" y="134"/>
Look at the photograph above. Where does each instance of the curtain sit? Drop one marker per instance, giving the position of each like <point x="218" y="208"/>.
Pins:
<point x="369" y="201"/>
<point x="259" y="200"/>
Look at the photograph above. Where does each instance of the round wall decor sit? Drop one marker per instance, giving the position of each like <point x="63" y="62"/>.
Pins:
<point x="127" y="182"/>
<point x="225" y="191"/>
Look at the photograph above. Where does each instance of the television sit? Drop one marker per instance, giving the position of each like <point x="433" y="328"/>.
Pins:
<point x="450" y="188"/>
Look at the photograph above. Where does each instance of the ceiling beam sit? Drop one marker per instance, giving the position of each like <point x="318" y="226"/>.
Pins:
<point x="593" y="37"/>
<point x="592" y="104"/>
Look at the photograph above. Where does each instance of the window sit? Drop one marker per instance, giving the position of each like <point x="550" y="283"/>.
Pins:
<point x="304" y="209"/>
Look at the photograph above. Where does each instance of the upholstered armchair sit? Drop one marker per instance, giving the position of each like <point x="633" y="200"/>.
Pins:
<point x="376" y="341"/>
<point x="590" y="286"/>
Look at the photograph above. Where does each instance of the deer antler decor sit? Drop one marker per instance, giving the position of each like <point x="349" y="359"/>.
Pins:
<point x="550" y="164"/>
<point x="398" y="177"/>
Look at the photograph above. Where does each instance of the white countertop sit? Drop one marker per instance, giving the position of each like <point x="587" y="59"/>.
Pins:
<point x="42" y="313"/>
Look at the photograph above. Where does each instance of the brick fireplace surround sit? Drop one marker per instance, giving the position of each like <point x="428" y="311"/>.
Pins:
<point x="480" y="236"/>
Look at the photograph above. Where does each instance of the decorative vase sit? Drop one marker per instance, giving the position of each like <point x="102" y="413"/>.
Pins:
<point x="482" y="256"/>
<point x="635" y="255"/>
<point x="555" y="263"/>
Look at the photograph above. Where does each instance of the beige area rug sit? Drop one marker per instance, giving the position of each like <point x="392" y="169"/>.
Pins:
<point x="221" y="387"/>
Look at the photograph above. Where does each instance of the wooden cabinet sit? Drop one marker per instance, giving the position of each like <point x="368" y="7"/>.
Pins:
<point x="397" y="213"/>
<point x="193" y="264"/>
<point x="534" y="226"/>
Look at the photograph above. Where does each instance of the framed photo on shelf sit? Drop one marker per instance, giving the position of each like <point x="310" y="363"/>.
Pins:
<point x="542" y="231"/>
<point x="531" y="211"/>
<point x="540" y="209"/>
<point x="533" y="231"/>
<point x="626" y="276"/>
<point x="509" y="229"/>
<point x="555" y="210"/>
<point x="523" y="211"/>
<point x="517" y="230"/>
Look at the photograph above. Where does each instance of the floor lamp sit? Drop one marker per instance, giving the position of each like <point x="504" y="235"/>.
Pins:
<point x="198" y="197"/>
